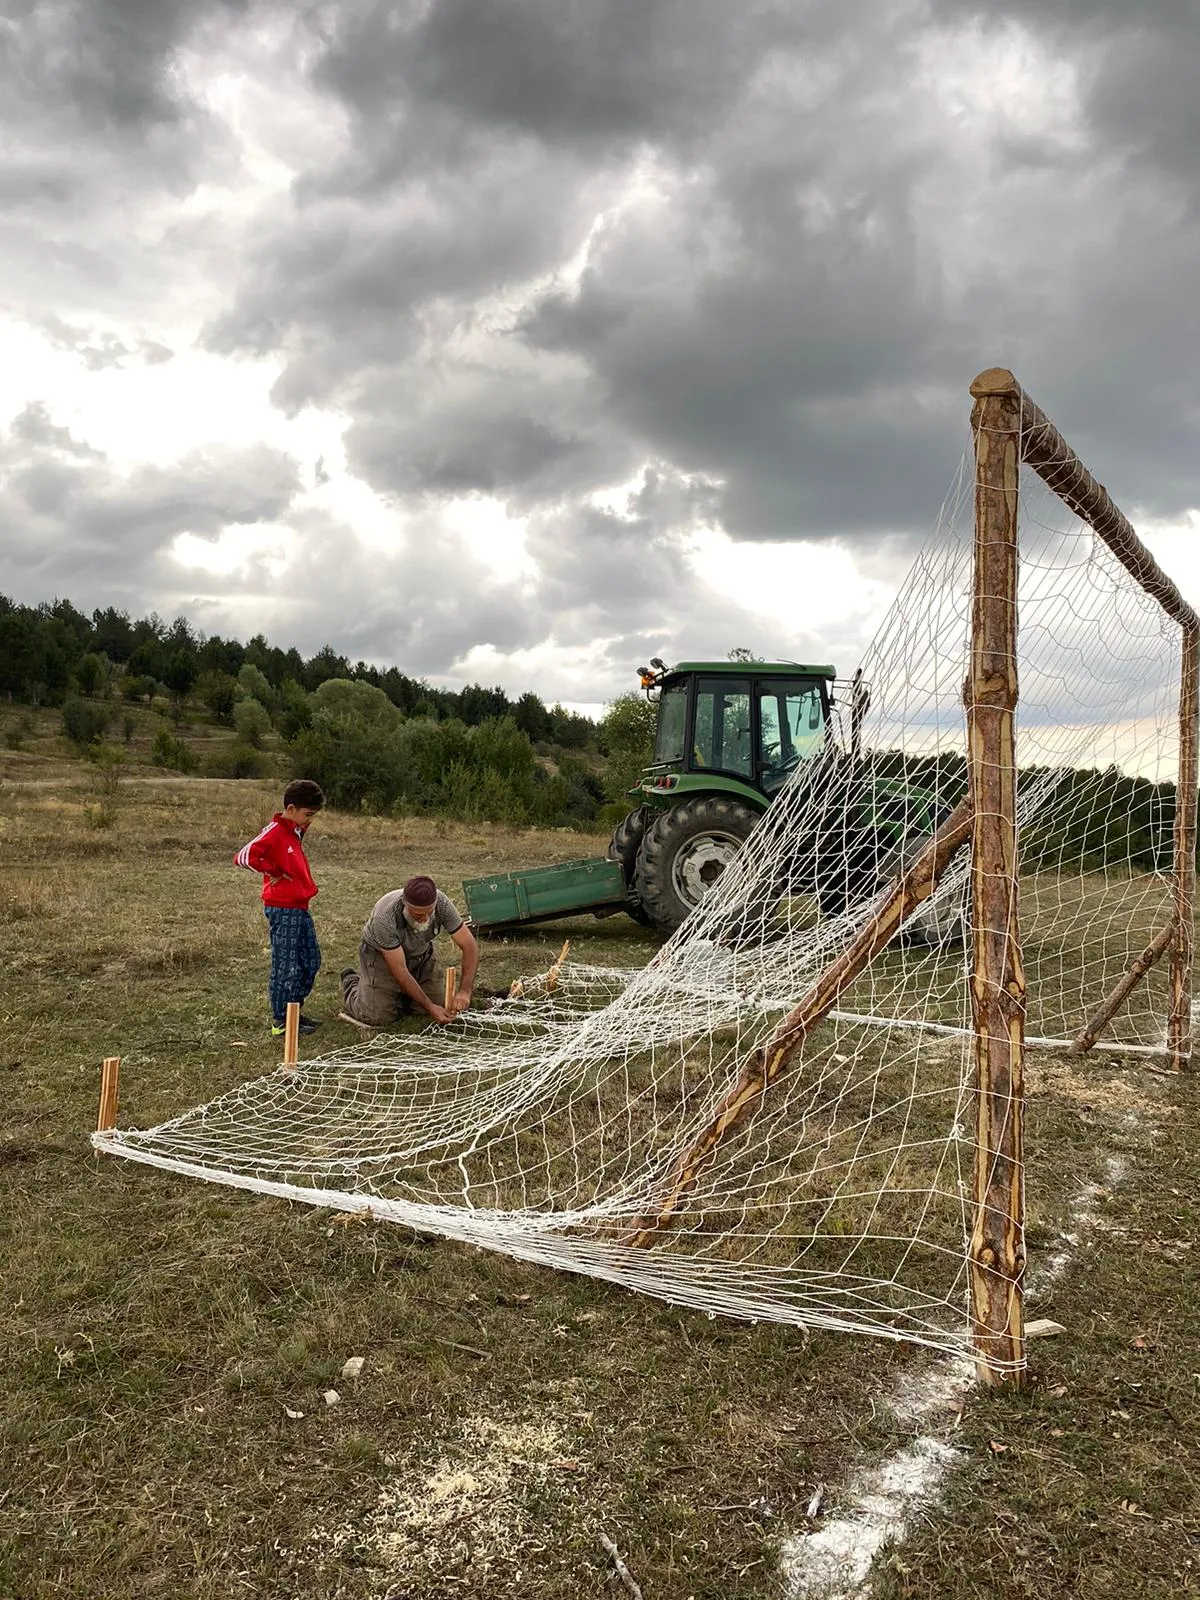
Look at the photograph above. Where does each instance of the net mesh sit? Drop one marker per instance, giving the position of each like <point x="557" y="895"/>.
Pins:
<point x="553" y="1125"/>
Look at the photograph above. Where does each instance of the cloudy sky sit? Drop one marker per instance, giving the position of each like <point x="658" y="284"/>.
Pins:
<point x="518" y="340"/>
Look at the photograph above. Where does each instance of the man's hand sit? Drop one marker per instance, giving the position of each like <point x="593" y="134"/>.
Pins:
<point x="462" y="999"/>
<point x="439" y="1013"/>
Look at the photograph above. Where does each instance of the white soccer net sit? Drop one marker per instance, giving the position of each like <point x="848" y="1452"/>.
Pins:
<point x="555" y="1127"/>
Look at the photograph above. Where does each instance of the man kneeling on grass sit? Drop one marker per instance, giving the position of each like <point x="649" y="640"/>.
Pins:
<point x="397" y="970"/>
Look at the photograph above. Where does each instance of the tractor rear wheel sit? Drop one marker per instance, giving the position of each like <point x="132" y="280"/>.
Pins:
<point x="623" y="847"/>
<point x="684" y="853"/>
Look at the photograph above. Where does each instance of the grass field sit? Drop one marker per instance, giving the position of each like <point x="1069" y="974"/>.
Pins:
<point x="167" y="1345"/>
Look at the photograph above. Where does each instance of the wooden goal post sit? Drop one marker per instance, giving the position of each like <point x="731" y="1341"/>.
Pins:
<point x="1010" y="428"/>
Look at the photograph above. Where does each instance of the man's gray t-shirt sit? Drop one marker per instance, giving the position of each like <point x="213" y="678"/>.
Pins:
<point x="387" y="929"/>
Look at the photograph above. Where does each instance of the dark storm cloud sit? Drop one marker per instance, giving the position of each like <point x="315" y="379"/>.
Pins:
<point x="535" y="438"/>
<point x="583" y="73"/>
<point x="102" y="136"/>
<point x="825" y="258"/>
<point x="101" y="68"/>
<point x="748" y="256"/>
<point x="100" y="64"/>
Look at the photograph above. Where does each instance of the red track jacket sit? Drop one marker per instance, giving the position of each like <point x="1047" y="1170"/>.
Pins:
<point x="278" y="852"/>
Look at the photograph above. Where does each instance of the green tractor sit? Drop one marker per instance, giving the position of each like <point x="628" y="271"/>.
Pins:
<point x="728" y="737"/>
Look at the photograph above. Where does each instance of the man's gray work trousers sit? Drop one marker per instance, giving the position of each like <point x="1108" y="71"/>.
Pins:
<point x="372" y="996"/>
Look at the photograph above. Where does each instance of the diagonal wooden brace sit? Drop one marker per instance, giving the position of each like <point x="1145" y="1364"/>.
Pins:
<point x="1158" y="946"/>
<point x="771" y="1060"/>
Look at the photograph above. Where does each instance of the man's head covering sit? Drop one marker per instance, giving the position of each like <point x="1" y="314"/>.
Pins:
<point x="420" y="892"/>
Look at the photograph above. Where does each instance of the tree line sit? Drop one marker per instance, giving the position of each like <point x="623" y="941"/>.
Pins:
<point x="374" y="738"/>
<point x="49" y="649"/>
<point x="1092" y="818"/>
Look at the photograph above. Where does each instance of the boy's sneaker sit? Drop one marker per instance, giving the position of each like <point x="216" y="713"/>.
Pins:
<point x="307" y="1025"/>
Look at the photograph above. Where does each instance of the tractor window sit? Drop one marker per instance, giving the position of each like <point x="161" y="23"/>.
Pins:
<point x="722" y="738"/>
<point x="672" y="723"/>
<point x="791" y="727"/>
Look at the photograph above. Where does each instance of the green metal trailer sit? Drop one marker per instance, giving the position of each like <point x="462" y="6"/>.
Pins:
<point x="543" y="894"/>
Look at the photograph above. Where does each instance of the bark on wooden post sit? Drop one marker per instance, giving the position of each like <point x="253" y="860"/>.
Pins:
<point x="1179" y="1023"/>
<point x="997" y="1246"/>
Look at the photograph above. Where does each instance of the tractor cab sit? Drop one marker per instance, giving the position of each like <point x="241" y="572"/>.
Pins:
<point x="740" y="727"/>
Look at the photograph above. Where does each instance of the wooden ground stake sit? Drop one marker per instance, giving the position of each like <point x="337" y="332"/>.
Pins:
<point x="110" y="1074"/>
<point x="451" y="989"/>
<point x="291" y="1035"/>
<point x="552" y="976"/>
<point x="1100" y="1019"/>
<point x="996" y="1255"/>
<point x="764" y="1065"/>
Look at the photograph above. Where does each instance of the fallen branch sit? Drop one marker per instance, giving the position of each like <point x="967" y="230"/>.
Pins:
<point x="623" y="1571"/>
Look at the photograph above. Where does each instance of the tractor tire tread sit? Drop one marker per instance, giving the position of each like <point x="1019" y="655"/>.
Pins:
<point x="653" y="879"/>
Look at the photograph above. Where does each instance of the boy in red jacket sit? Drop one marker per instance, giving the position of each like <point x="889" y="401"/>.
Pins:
<point x="278" y="853"/>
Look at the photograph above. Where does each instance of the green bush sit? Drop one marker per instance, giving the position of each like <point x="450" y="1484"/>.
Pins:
<point x="83" y="721"/>
<point x="139" y="687"/>
<point x="91" y="672"/>
<point x="356" y="762"/>
<point x="366" y="756"/>
<point x="253" y="685"/>
<point x="218" y="691"/>
<point x="237" y="761"/>
<point x="295" y="710"/>
<point x="627" y="740"/>
<point x="252" y="721"/>
<point x="347" y="697"/>
<point x="110" y="759"/>
<point x="170" y="752"/>
<point x="471" y="795"/>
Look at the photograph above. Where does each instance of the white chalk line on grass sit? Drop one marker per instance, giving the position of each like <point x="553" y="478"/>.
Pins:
<point x="834" y="1562"/>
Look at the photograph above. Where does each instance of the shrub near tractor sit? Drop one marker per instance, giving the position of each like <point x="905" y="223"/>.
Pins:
<point x="728" y="738"/>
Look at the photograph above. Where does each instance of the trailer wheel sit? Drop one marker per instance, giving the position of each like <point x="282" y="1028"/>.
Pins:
<point x="685" y="851"/>
<point x="623" y="847"/>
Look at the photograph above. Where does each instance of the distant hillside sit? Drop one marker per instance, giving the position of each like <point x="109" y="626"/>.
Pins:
<point x="126" y="692"/>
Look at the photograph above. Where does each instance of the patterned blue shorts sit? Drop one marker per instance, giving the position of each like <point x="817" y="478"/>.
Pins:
<point x="295" y="957"/>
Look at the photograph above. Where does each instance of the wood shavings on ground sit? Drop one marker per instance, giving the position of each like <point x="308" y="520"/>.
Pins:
<point x="479" y="1504"/>
<point x="1088" y="1084"/>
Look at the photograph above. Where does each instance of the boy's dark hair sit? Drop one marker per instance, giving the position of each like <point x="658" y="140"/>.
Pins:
<point x="303" y="792"/>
